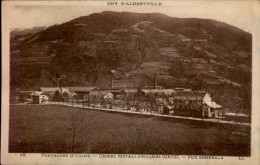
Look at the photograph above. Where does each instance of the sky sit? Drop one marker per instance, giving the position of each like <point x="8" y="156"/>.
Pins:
<point x="239" y="14"/>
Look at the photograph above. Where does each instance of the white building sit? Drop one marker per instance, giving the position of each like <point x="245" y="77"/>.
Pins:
<point x="39" y="97"/>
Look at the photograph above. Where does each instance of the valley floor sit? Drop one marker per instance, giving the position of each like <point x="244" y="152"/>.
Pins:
<point x="62" y="129"/>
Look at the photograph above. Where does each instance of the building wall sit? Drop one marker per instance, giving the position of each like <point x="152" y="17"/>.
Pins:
<point x="206" y="98"/>
<point x="44" y="98"/>
<point x="207" y="111"/>
<point x="36" y="99"/>
<point x="40" y="99"/>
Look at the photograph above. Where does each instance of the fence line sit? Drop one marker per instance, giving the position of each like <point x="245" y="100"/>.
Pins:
<point x="116" y="109"/>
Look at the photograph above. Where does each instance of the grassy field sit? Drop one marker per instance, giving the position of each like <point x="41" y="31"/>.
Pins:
<point x="58" y="129"/>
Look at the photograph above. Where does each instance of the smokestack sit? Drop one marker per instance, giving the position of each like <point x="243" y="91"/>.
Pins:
<point x="155" y="81"/>
<point x="61" y="90"/>
<point x="112" y="83"/>
<point x="59" y="86"/>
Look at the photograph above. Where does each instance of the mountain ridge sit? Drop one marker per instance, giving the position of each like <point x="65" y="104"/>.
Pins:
<point x="190" y="52"/>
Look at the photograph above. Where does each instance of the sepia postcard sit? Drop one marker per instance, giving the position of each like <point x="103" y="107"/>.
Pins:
<point x="130" y="82"/>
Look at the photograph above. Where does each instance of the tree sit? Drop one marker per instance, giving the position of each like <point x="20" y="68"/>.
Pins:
<point x="152" y="100"/>
<point x="78" y="126"/>
<point x="198" y="84"/>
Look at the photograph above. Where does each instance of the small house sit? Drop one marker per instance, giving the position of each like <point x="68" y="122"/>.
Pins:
<point x="129" y="92"/>
<point x="116" y="93"/>
<point x="209" y="109"/>
<point x="50" y="91"/>
<point x="108" y="96"/>
<point x="197" y="104"/>
<point x="39" y="97"/>
<point x="106" y="93"/>
<point x="85" y="93"/>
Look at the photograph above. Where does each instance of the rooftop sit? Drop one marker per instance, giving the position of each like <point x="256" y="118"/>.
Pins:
<point x="213" y="105"/>
<point x="48" y="89"/>
<point x="36" y="93"/>
<point x="80" y="89"/>
<point x="130" y="90"/>
<point x="105" y="92"/>
<point x="158" y="91"/>
<point x="189" y="96"/>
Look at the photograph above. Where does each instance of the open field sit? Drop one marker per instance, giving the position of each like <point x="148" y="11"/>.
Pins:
<point x="59" y="129"/>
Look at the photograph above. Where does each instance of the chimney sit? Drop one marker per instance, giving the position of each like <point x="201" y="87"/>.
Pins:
<point x="60" y="86"/>
<point x="155" y="81"/>
<point x="112" y="83"/>
<point x="61" y="91"/>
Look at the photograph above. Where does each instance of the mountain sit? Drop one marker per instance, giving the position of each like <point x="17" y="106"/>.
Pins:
<point x="131" y="48"/>
<point x="27" y="31"/>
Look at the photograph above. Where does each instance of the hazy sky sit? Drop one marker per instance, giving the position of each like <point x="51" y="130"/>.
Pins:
<point x="25" y="16"/>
